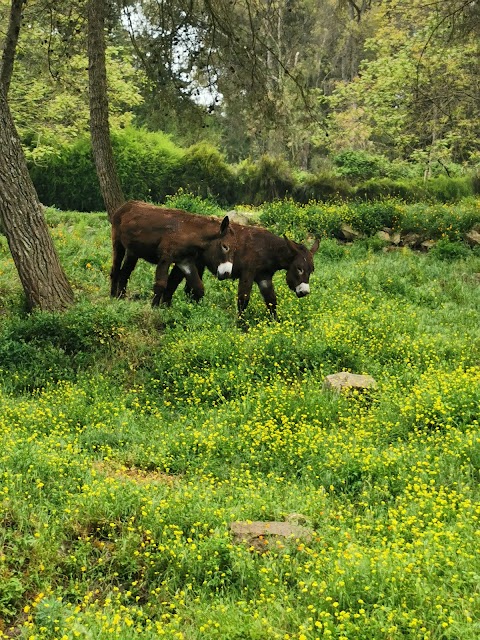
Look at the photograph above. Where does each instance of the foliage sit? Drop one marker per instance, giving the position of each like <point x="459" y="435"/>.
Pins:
<point x="359" y="165"/>
<point x="445" y="249"/>
<point x="325" y="219"/>
<point x="205" y="173"/>
<point x="439" y="221"/>
<point x="268" y="179"/>
<point x="322" y="186"/>
<point x="440" y="188"/>
<point x="148" y="164"/>
<point x="152" y="167"/>
<point x="369" y="217"/>
<point x="193" y="203"/>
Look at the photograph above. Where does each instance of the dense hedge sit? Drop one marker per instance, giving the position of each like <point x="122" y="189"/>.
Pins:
<point x="151" y="167"/>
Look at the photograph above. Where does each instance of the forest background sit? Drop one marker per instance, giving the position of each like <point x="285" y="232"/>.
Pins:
<point x="247" y="101"/>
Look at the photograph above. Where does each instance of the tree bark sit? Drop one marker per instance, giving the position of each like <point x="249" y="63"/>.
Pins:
<point x="99" y="126"/>
<point x="21" y="217"/>
<point x="10" y="46"/>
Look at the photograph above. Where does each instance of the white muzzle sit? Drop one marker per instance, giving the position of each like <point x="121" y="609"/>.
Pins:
<point x="224" y="270"/>
<point x="303" y="289"/>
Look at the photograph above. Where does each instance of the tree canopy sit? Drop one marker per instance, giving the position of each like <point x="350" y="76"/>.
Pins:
<point x="292" y="78"/>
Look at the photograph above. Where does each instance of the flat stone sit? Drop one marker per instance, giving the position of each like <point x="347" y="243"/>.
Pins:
<point x="346" y="380"/>
<point x="240" y="217"/>
<point x="348" y="233"/>
<point x="427" y="245"/>
<point x="411" y="240"/>
<point x="473" y="237"/>
<point x="396" y="238"/>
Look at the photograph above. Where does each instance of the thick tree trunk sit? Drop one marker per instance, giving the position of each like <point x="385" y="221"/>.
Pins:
<point x="21" y="217"/>
<point x="10" y="46"/>
<point x="99" y="127"/>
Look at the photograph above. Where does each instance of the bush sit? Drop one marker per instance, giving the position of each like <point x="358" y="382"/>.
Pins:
<point x="440" y="189"/>
<point x="148" y="166"/>
<point x="408" y="190"/>
<point x="67" y="179"/>
<point x="370" y="217"/>
<point x="45" y="347"/>
<point x="321" y="187"/>
<point x="193" y="204"/>
<point x="151" y="167"/>
<point x="298" y="222"/>
<point x="359" y="165"/>
<point x="269" y="179"/>
<point x="284" y="217"/>
<point x="444" y="249"/>
<point x="439" y="220"/>
<point x="446" y="189"/>
<point x="204" y="172"/>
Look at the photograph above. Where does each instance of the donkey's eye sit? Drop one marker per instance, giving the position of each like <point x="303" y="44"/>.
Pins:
<point x="300" y="271"/>
<point x="225" y="248"/>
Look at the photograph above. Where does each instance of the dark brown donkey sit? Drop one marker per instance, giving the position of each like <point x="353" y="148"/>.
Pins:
<point x="258" y="256"/>
<point x="166" y="236"/>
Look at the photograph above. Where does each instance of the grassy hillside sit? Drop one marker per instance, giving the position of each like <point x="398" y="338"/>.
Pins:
<point x="131" y="438"/>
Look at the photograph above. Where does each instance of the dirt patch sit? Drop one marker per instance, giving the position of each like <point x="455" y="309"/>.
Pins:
<point x="134" y="474"/>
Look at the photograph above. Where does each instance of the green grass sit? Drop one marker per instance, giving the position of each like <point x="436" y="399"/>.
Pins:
<point x="131" y="437"/>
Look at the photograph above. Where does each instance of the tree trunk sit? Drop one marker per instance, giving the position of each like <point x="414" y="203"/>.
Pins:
<point x="21" y="217"/>
<point x="8" y="56"/>
<point x="99" y="126"/>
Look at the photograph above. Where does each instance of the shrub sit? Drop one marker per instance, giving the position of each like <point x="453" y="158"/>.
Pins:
<point x="440" y="189"/>
<point x="205" y="173"/>
<point x="45" y="347"/>
<point x="147" y="164"/>
<point x="445" y="249"/>
<point x="439" y="220"/>
<point x="359" y="165"/>
<point x="194" y="204"/>
<point x="369" y="217"/>
<point x="284" y="216"/>
<point x="322" y="187"/>
<point x="446" y="189"/>
<point x="407" y="190"/>
<point x="324" y="220"/>
<point x="67" y="179"/>
<point x="298" y="222"/>
<point x="269" y="179"/>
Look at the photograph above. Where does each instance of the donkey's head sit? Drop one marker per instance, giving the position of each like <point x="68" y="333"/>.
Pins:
<point x="218" y="256"/>
<point x="301" y="267"/>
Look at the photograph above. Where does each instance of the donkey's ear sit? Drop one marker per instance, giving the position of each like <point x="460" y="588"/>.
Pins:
<point x="315" y="246"/>
<point x="224" y="226"/>
<point x="291" y="245"/>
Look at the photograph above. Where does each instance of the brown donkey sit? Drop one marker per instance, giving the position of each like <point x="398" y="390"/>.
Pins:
<point x="166" y="236"/>
<point x="259" y="254"/>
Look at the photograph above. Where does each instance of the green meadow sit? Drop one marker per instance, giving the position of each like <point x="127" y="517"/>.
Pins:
<point x="132" y="437"/>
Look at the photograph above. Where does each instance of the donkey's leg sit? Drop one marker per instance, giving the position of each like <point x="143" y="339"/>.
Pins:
<point x="194" y="286"/>
<point x="192" y="292"/>
<point x="267" y="290"/>
<point x="125" y="272"/>
<point x="161" y="277"/>
<point x="118" y="254"/>
<point x="175" y="277"/>
<point x="244" y="290"/>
